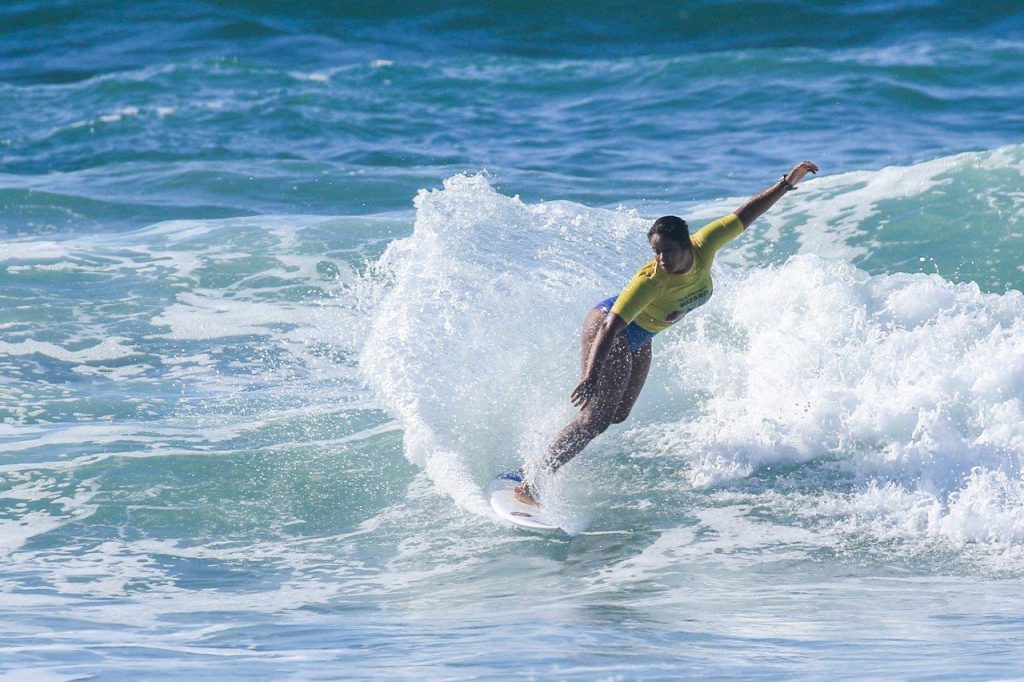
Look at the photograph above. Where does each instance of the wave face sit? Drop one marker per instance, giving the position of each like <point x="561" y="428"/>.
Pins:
<point x="896" y="397"/>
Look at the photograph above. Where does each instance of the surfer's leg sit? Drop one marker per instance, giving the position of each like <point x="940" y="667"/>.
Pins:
<point x="591" y="325"/>
<point x="641" y="365"/>
<point x="599" y="412"/>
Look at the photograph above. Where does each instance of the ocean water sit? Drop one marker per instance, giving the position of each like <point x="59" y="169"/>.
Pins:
<point x="282" y="286"/>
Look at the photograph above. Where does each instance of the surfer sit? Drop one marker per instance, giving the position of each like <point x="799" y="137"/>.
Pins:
<point x="616" y="350"/>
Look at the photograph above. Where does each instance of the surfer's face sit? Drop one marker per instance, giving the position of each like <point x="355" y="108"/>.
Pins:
<point x="670" y="254"/>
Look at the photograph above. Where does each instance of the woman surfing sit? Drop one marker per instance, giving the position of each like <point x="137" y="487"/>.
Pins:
<point x="616" y="349"/>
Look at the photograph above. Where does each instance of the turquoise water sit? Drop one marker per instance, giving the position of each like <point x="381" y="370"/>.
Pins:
<point x="282" y="287"/>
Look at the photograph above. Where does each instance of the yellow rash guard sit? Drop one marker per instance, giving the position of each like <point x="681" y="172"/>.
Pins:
<point x="655" y="299"/>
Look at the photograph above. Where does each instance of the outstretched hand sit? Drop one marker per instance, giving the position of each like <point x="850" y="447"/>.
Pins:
<point x="585" y="392"/>
<point x="800" y="170"/>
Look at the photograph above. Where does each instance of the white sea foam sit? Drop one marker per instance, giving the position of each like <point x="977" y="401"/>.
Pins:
<point x="59" y="509"/>
<point x="38" y="674"/>
<point x="907" y="382"/>
<point x="51" y="267"/>
<point x="314" y="77"/>
<point x="209" y="315"/>
<point x="475" y="341"/>
<point x="106" y="349"/>
<point x="34" y="251"/>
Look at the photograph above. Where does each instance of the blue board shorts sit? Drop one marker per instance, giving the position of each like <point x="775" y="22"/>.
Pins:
<point x="635" y="335"/>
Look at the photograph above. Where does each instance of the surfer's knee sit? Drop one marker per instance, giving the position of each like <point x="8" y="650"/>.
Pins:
<point x="596" y="424"/>
<point x="621" y="416"/>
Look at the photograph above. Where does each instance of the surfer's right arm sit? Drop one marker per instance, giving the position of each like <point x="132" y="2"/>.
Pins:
<point x="612" y="326"/>
<point x="637" y="295"/>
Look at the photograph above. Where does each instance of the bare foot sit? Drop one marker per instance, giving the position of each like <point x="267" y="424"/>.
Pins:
<point x="522" y="493"/>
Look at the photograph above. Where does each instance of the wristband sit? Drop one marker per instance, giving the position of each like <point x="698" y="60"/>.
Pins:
<point x="786" y="185"/>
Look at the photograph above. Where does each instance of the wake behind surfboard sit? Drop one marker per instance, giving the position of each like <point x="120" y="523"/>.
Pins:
<point x="503" y="500"/>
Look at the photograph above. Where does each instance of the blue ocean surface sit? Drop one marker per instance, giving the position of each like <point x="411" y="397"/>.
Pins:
<point x="284" y="285"/>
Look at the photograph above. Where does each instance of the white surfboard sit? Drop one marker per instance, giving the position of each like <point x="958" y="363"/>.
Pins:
<point x="506" y="506"/>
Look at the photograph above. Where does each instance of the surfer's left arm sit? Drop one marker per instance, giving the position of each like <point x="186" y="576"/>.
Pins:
<point x="759" y="203"/>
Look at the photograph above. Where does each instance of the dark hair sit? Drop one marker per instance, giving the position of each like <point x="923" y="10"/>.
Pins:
<point x="673" y="227"/>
